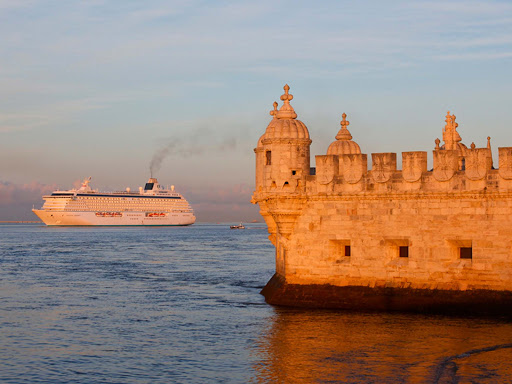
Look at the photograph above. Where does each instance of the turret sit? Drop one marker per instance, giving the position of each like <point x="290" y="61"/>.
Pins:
<point x="283" y="154"/>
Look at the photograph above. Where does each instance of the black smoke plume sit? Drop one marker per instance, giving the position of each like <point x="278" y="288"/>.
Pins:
<point x="187" y="147"/>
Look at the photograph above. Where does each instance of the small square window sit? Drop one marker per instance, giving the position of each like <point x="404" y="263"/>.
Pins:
<point x="466" y="252"/>
<point x="339" y="250"/>
<point x="403" y="251"/>
<point x="294" y="173"/>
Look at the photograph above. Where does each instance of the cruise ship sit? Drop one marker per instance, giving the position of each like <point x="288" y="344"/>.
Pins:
<point x="151" y="205"/>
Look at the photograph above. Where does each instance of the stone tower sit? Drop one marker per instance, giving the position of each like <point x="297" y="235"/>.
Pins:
<point x="282" y="166"/>
<point x="282" y="154"/>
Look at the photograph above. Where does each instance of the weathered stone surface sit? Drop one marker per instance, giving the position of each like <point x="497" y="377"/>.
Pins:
<point x="386" y="239"/>
<point x="383" y="166"/>
<point x="327" y="167"/>
<point x="413" y="165"/>
<point x="505" y="162"/>
<point x="446" y="163"/>
<point x="478" y="162"/>
<point x="353" y="167"/>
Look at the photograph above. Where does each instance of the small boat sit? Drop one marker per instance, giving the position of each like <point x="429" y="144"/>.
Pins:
<point x="240" y="226"/>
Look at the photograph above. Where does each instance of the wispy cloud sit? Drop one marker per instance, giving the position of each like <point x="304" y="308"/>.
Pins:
<point x="480" y="56"/>
<point x="16" y="200"/>
<point x="455" y="8"/>
<point x="13" y="4"/>
<point x="231" y="203"/>
<point x="44" y="116"/>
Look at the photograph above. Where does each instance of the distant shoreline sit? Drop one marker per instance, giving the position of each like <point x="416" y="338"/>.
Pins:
<point x="21" y="222"/>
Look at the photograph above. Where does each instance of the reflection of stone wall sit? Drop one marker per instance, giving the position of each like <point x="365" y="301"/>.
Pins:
<point x="348" y="347"/>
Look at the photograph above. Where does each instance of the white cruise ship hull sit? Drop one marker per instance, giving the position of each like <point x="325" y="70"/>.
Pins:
<point x="121" y="218"/>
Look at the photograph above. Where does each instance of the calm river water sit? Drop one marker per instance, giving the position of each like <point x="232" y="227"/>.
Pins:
<point x="182" y="305"/>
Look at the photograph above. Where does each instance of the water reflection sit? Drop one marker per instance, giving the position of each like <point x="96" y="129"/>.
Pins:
<point x="327" y="346"/>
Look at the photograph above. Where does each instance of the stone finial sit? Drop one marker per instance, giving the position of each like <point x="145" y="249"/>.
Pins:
<point x="344" y="133"/>
<point x="287" y="97"/>
<point x="274" y="111"/>
<point x="286" y="111"/>
<point x="450" y="135"/>
<point x="473" y="146"/>
<point x="454" y="124"/>
<point x="448" y="120"/>
<point x="344" y="122"/>
<point x="437" y="144"/>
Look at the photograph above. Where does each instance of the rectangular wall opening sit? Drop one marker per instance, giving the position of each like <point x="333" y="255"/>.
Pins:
<point x="269" y="157"/>
<point x="397" y="248"/>
<point x="340" y="251"/>
<point x="466" y="252"/>
<point x="461" y="249"/>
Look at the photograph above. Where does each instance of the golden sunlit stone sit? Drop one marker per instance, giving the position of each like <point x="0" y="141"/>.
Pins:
<point x="343" y="232"/>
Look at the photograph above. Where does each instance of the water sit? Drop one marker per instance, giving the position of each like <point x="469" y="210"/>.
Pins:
<point x="182" y="305"/>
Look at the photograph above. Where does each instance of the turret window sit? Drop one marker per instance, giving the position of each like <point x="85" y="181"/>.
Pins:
<point x="269" y="157"/>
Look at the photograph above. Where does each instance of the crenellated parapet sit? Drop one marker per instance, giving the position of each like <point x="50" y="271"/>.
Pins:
<point x="342" y="172"/>
<point x="410" y="231"/>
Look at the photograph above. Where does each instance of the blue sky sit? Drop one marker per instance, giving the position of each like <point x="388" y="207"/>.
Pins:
<point x="97" y="88"/>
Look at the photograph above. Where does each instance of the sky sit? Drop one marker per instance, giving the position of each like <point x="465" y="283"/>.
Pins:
<point x="108" y="88"/>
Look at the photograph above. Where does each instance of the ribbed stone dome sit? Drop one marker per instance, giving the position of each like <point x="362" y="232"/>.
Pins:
<point x="343" y="147"/>
<point x="461" y="148"/>
<point x="343" y="144"/>
<point x="287" y="129"/>
<point x="285" y="125"/>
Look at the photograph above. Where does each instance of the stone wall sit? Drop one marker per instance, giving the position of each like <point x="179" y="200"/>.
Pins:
<point x="374" y="213"/>
<point x="405" y="232"/>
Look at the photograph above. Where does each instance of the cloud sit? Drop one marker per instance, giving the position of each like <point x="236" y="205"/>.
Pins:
<point x="16" y="200"/>
<point x="13" y="4"/>
<point x="476" y="56"/>
<point x="57" y="113"/>
<point x="464" y="7"/>
<point x="224" y="204"/>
